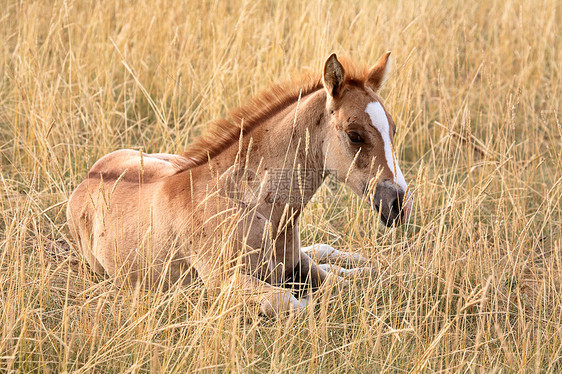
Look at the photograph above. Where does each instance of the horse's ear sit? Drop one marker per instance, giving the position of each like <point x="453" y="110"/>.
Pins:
<point x="379" y="73"/>
<point x="334" y="76"/>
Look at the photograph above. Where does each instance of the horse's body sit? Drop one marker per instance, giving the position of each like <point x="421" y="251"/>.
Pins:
<point x="220" y="212"/>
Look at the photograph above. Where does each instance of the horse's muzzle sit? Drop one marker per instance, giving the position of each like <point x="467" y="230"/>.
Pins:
<point x="389" y="202"/>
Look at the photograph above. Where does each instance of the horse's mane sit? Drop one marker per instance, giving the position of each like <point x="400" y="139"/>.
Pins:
<point x="222" y="133"/>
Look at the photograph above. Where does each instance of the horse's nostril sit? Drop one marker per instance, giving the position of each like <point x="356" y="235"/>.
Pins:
<point x="377" y="206"/>
<point x="395" y="206"/>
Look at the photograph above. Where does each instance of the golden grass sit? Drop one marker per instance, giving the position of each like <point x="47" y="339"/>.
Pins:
<point x="472" y="282"/>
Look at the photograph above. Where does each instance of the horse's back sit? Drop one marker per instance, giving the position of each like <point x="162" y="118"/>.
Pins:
<point x="134" y="166"/>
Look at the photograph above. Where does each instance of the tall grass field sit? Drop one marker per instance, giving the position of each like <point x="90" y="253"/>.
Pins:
<point x="472" y="283"/>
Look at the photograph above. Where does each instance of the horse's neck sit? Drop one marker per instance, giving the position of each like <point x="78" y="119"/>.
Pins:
<point x="278" y="147"/>
<point x="287" y="159"/>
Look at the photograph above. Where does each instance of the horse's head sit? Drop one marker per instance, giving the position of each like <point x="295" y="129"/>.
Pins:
<point x="359" y="141"/>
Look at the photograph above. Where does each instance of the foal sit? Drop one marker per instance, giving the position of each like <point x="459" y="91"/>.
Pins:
<point x="227" y="210"/>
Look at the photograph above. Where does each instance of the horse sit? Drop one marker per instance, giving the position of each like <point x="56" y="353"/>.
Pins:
<point x="226" y="211"/>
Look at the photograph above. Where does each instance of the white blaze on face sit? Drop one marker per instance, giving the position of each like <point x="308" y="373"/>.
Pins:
<point x="380" y="122"/>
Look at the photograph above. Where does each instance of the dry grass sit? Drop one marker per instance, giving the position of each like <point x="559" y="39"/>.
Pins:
<point x="472" y="283"/>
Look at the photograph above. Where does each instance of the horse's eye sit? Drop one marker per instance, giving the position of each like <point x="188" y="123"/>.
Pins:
<point x="354" y="137"/>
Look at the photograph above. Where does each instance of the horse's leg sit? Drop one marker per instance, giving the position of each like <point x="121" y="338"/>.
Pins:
<point x="271" y="300"/>
<point x="346" y="273"/>
<point x="324" y="253"/>
<point x="343" y="264"/>
<point x="318" y="274"/>
<point x="302" y="265"/>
